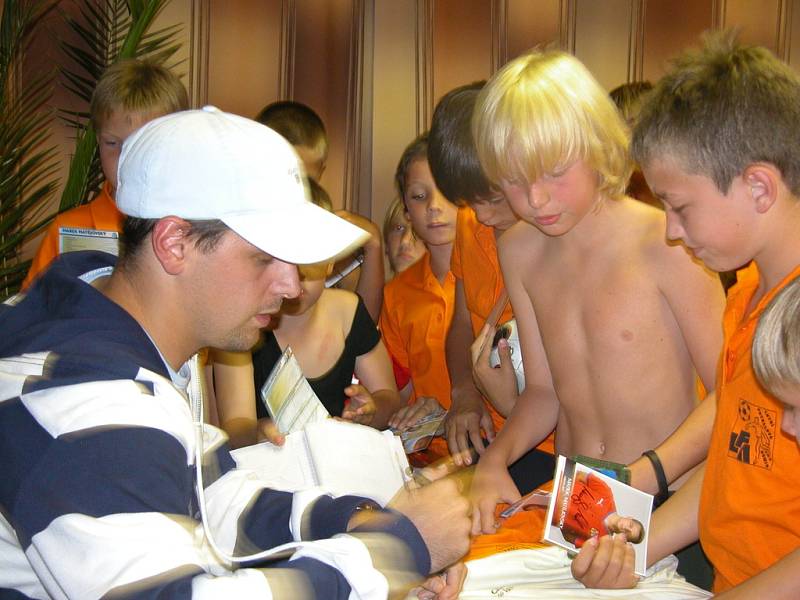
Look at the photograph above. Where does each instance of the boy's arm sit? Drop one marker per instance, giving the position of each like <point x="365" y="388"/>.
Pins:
<point x="684" y="449"/>
<point x="534" y="415"/>
<point x="374" y="371"/>
<point x="468" y="413"/>
<point x="697" y="302"/>
<point x="372" y="276"/>
<point x="235" y="395"/>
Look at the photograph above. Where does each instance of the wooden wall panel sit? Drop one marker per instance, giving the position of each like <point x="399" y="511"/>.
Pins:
<point x="462" y="44"/>
<point x="244" y="49"/>
<point x="603" y="38"/>
<point x="668" y="28"/>
<point x="180" y="11"/>
<point x="793" y="39"/>
<point x="530" y="24"/>
<point x="758" y="22"/>
<point x="321" y="75"/>
<point x="395" y="93"/>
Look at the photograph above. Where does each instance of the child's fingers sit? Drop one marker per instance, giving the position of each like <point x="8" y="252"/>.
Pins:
<point x="481" y="344"/>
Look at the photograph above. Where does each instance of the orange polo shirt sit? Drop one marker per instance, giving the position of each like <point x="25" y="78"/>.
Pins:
<point x="101" y="214"/>
<point x="415" y="316"/>
<point x="750" y="503"/>
<point x="476" y="247"/>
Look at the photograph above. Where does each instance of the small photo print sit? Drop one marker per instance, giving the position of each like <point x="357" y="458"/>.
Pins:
<point x="586" y="503"/>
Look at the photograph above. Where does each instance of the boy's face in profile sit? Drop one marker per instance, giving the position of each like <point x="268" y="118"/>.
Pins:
<point x="494" y="211"/>
<point x="715" y="227"/>
<point x="114" y="130"/>
<point x="556" y="202"/>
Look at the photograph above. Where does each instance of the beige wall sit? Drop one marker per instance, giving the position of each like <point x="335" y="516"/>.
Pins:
<point x="374" y="69"/>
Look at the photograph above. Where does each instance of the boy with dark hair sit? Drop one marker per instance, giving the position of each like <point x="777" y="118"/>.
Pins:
<point x="481" y="396"/>
<point x="717" y="142"/>
<point x="128" y="94"/>
<point x="302" y="128"/>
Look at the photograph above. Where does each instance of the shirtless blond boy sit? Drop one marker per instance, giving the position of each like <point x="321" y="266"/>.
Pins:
<point x="614" y="323"/>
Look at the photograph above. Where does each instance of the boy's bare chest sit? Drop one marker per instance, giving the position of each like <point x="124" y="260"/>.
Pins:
<point x="597" y="308"/>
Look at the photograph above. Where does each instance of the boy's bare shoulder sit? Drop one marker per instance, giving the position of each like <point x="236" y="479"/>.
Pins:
<point x="665" y="259"/>
<point x="520" y="237"/>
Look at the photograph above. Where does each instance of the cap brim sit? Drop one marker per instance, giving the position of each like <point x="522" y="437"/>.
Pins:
<point x="299" y="233"/>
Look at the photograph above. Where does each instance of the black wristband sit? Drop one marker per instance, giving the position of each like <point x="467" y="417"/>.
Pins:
<point x="661" y="478"/>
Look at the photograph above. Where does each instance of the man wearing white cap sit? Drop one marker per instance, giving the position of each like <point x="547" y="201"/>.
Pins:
<point x="100" y="430"/>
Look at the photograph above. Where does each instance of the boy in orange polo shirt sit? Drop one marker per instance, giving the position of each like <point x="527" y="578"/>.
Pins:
<point x="483" y="216"/>
<point x="128" y="94"/>
<point x="418" y="302"/>
<point x="717" y="142"/>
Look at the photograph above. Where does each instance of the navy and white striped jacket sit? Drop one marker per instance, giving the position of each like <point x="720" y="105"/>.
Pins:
<point x="97" y="489"/>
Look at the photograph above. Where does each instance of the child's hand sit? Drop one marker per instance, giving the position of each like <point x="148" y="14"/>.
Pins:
<point x="491" y="485"/>
<point x="409" y="415"/>
<point x="605" y="562"/>
<point x="498" y="384"/>
<point x="268" y="431"/>
<point x="361" y="408"/>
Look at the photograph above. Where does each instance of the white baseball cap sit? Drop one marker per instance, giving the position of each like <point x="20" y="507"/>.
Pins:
<point x="206" y="164"/>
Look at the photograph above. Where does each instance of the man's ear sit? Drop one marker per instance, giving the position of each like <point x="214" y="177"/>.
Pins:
<point x="171" y="243"/>
<point x="763" y="181"/>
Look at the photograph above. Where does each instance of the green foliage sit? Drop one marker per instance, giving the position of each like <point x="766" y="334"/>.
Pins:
<point x="109" y="30"/>
<point x="27" y="163"/>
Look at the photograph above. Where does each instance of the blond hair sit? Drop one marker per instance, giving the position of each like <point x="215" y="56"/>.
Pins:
<point x="137" y="86"/>
<point x="542" y="112"/>
<point x="396" y="209"/>
<point x="776" y="344"/>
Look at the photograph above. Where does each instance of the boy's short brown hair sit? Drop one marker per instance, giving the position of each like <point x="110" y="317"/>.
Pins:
<point x="543" y="111"/>
<point x="137" y="86"/>
<point x="721" y="109"/>
<point x="298" y="123"/>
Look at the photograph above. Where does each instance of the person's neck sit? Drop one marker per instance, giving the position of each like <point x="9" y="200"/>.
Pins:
<point x="593" y="230"/>
<point x="780" y="253"/>
<point x="132" y="295"/>
<point x="440" y="260"/>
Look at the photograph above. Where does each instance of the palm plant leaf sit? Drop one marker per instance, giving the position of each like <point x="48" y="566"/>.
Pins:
<point x="27" y="164"/>
<point x="109" y="30"/>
